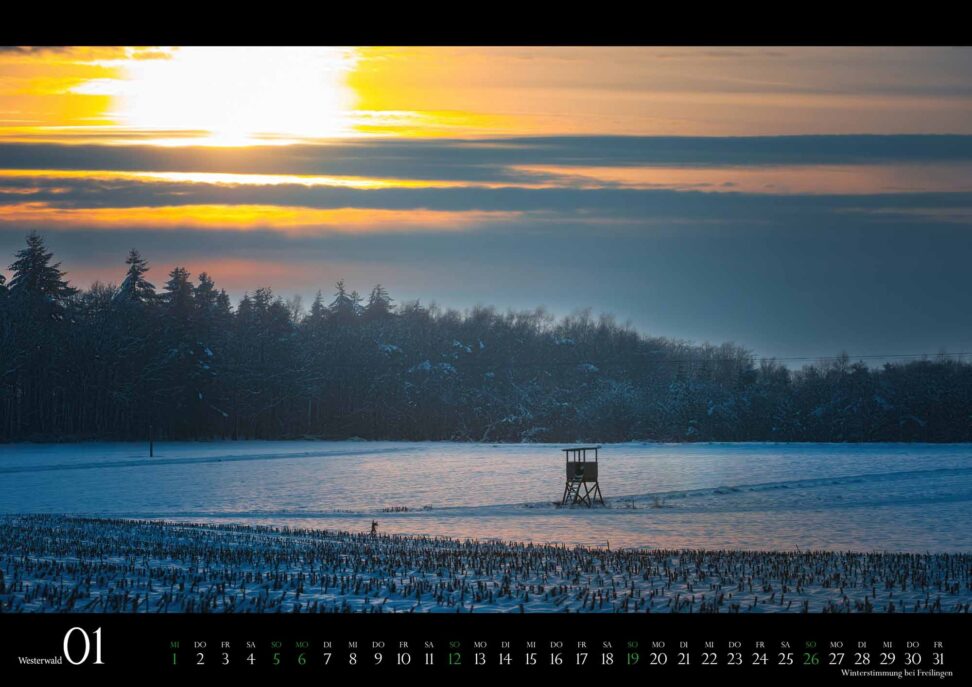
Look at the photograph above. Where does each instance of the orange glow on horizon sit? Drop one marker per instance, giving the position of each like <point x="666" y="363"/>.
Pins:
<point x="233" y="179"/>
<point x="280" y="95"/>
<point x="296" y="220"/>
<point x="848" y="179"/>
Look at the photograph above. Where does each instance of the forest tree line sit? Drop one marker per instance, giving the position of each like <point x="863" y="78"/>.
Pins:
<point x="111" y="362"/>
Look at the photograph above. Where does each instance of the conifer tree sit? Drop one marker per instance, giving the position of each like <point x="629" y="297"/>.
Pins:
<point x="379" y="304"/>
<point x="318" y="313"/>
<point x="135" y="288"/>
<point x="179" y="295"/>
<point x="33" y="275"/>
<point x="344" y="306"/>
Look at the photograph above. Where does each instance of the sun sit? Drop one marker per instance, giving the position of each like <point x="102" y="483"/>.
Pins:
<point x="239" y="95"/>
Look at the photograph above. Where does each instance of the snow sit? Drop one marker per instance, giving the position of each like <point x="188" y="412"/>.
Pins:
<point x="58" y="564"/>
<point x="870" y="497"/>
<point x="268" y="526"/>
<point x="427" y="366"/>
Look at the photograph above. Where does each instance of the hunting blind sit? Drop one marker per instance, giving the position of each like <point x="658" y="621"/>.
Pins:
<point x="581" y="486"/>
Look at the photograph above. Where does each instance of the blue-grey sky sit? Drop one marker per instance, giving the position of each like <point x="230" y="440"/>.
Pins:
<point x="799" y="202"/>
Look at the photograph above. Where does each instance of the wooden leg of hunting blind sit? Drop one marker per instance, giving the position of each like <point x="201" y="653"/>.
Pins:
<point x="573" y="493"/>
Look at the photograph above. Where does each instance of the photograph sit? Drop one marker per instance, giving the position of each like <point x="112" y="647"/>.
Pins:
<point x="330" y="359"/>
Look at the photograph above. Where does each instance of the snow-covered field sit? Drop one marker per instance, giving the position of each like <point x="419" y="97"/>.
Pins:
<point x="56" y="563"/>
<point x="775" y="497"/>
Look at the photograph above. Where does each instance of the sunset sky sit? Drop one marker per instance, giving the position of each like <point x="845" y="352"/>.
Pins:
<point x="797" y="201"/>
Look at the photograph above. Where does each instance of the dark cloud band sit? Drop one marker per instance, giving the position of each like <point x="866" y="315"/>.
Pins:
<point x="492" y="160"/>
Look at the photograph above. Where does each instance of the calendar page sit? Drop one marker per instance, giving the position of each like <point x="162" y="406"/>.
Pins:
<point x="530" y="358"/>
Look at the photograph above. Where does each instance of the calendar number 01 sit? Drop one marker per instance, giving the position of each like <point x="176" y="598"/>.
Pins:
<point x="87" y="647"/>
